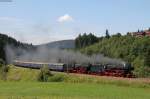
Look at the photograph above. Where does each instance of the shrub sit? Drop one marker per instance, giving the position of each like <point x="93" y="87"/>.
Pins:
<point x="44" y="74"/>
<point x="2" y="61"/>
<point x="57" y="78"/>
<point x="3" y="71"/>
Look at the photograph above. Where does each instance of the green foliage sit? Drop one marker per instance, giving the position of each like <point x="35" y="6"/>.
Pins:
<point x="57" y="78"/>
<point x="44" y="74"/>
<point x="2" y="61"/>
<point x="6" y="40"/>
<point x="3" y="71"/>
<point x="129" y="48"/>
<point x="139" y="63"/>
<point x="107" y="34"/>
<point x="85" y="40"/>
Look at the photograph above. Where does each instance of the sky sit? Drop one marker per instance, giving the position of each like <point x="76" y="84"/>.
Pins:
<point x="43" y="21"/>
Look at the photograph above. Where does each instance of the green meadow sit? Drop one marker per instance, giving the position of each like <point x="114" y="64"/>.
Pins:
<point x="21" y="83"/>
<point x="37" y="90"/>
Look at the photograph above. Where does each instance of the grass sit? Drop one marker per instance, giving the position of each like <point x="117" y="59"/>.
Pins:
<point x="28" y="75"/>
<point x="70" y="91"/>
<point x="21" y="74"/>
<point x="22" y="84"/>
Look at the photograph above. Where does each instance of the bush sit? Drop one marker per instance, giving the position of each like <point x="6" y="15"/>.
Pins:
<point x="3" y="71"/>
<point x="2" y="61"/>
<point x="44" y="74"/>
<point x="57" y="78"/>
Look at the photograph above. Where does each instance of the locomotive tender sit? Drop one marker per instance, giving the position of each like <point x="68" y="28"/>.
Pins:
<point x="124" y="70"/>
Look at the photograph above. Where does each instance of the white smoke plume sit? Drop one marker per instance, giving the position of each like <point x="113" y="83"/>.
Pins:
<point x="44" y="54"/>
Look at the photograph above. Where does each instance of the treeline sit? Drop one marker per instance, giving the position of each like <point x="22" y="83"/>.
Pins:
<point x="6" y="40"/>
<point x="85" y="40"/>
<point x="135" y="50"/>
<point x="89" y="39"/>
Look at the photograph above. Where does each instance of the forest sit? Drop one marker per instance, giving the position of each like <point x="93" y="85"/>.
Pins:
<point x="132" y="49"/>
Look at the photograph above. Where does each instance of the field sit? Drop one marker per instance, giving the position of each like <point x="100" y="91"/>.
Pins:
<point x="21" y="84"/>
<point x="70" y="91"/>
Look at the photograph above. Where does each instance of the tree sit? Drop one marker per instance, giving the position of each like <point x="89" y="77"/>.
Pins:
<point x="6" y="40"/>
<point x="2" y="61"/>
<point x="107" y="34"/>
<point x="126" y="47"/>
<point x="85" y="40"/>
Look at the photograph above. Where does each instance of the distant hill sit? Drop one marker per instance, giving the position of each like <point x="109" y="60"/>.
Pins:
<point x="7" y="40"/>
<point x="62" y="44"/>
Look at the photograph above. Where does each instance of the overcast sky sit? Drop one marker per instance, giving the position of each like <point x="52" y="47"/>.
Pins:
<point x="42" y="21"/>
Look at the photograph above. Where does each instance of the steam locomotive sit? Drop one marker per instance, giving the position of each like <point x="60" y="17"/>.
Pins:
<point x="122" y="70"/>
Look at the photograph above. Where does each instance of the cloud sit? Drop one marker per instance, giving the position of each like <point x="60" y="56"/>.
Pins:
<point x="8" y="19"/>
<point x="65" y="18"/>
<point x="35" y="33"/>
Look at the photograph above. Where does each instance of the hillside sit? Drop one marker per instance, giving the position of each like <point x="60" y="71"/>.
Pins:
<point x="62" y="44"/>
<point x="131" y="49"/>
<point x="24" y="74"/>
<point x="7" y="40"/>
<point x="19" y="47"/>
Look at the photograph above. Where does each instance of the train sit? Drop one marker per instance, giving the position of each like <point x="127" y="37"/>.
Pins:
<point x="122" y="70"/>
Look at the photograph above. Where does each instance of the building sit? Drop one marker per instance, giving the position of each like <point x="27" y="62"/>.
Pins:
<point x="142" y="33"/>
